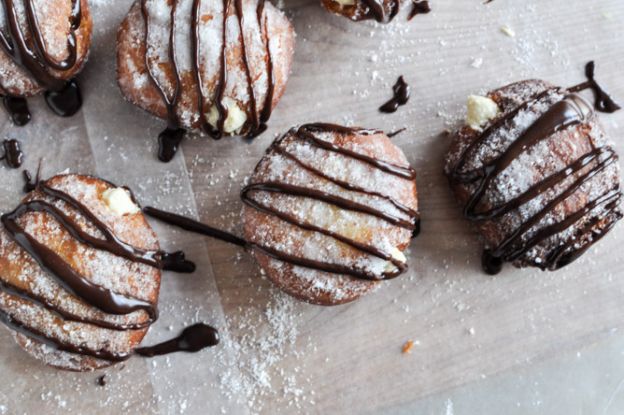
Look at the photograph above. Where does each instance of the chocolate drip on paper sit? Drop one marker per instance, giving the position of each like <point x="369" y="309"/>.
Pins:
<point x="258" y="114"/>
<point x="306" y="133"/>
<point x="602" y="100"/>
<point x="27" y="48"/>
<point x="419" y="7"/>
<point x="65" y="102"/>
<point x="567" y="113"/>
<point x="17" y="108"/>
<point x="31" y="183"/>
<point x="192" y="339"/>
<point x="395" y="133"/>
<point x="401" y="94"/>
<point x="13" y="155"/>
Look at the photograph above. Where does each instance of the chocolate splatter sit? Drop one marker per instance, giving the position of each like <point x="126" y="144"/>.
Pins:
<point x="401" y="95"/>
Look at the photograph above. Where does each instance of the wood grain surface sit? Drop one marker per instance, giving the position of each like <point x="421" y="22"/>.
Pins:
<point x="282" y="356"/>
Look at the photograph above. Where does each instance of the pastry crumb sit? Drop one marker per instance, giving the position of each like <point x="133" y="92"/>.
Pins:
<point x="407" y="347"/>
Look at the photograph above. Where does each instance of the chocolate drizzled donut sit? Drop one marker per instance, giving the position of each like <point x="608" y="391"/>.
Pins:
<point x="32" y="66"/>
<point x="223" y="66"/>
<point x="539" y="181"/>
<point x="65" y="262"/>
<point x="347" y="191"/>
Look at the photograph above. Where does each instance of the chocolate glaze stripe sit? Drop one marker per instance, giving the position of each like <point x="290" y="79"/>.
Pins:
<point x="457" y="176"/>
<point x="20" y="327"/>
<point x="74" y="20"/>
<point x="506" y="248"/>
<point x="563" y="114"/>
<point x="100" y="297"/>
<point x="561" y="258"/>
<point x="347" y="185"/>
<point x="214" y="131"/>
<point x="570" y="111"/>
<point x="66" y="315"/>
<point x="175" y="261"/>
<point x="310" y="193"/>
<point x="306" y="132"/>
<point x="170" y="102"/>
<point x="292" y="219"/>
<point x="267" y="107"/>
<point x="250" y="89"/>
<point x="201" y="228"/>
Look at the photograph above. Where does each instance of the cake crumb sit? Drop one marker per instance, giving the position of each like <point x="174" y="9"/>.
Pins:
<point x="508" y="31"/>
<point x="407" y="347"/>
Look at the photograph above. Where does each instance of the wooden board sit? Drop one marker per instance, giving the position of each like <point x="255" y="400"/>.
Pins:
<point x="282" y="356"/>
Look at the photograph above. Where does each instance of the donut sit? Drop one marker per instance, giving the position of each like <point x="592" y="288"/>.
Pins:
<point x="80" y="276"/>
<point x="535" y="174"/>
<point x="217" y="66"/>
<point x="43" y="45"/>
<point x="329" y="211"/>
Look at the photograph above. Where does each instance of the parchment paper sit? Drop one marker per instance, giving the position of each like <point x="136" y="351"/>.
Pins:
<point x="508" y="344"/>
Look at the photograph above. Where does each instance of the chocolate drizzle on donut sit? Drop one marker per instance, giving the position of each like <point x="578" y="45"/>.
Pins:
<point x="308" y="134"/>
<point x="564" y="114"/>
<point x="171" y="137"/>
<point x="73" y="282"/>
<point x="401" y="94"/>
<point x="29" y="51"/>
<point x="12" y="153"/>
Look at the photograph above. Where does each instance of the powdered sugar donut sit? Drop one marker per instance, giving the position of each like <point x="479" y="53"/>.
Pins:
<point x="79" y="274"/>
<point x="220" y="66"/>
<point x="535" y="174"/>
<point x="329" y="211"/>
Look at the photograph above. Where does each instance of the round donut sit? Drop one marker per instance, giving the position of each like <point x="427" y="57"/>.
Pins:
<point x="535" y="174"/>
<point x="68" y="294"/>
<point x="220" y="66"/>
<point x="329" y="211"/>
